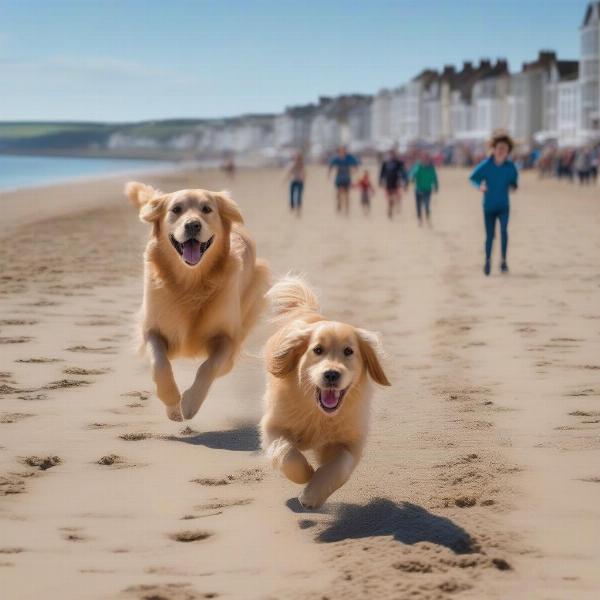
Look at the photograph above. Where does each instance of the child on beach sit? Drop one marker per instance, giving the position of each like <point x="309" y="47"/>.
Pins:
<point x="425" y="178"/>
<point x="366" y="191"/>
<point x="495" y="176"/>
<point x="296" y="175"/>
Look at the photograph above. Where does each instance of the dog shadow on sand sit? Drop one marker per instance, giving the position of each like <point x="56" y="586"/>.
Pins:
<point x="405" y="522"/>
<point x="244" y="438"/>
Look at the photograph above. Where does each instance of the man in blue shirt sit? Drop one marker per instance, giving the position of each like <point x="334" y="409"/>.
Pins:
<point x="495" y="176"/>
<point x="344" y="163"/>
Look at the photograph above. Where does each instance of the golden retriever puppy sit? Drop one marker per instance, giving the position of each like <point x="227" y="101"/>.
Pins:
<point x="318" y="392"/>
<point x="204" y="288"/>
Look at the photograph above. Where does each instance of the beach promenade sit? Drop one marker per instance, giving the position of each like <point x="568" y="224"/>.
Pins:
<point x="481" y="477"/>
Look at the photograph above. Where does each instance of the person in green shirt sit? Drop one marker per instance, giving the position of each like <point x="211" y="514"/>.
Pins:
<point x="425" y="178"/>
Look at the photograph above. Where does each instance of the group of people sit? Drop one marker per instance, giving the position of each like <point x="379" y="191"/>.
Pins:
<point x="495" y="176"/>
<point x="571" y="164"/>
<point x="393" y="178"/>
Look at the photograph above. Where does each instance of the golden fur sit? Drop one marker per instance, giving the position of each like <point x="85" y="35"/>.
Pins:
<point x="295" y="419"/>
<point x="201" y="308"/>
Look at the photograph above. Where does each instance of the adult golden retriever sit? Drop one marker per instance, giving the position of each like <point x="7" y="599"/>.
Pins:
<point x="318" y="392"/>
<point x="204" y="288"/>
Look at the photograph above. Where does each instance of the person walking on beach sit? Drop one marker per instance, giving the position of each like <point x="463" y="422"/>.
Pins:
<point x="391" y="177"/>
<point x="344" y="164"/>
<point x="495" y="176"/>
<point x="296" y="175"/>
<point x="366" y="191"/>
<point x="425" y="178"/>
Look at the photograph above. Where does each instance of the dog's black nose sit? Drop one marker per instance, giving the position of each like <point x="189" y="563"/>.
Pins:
<point x="331" y="377"/>
<point x="192" y="228"/>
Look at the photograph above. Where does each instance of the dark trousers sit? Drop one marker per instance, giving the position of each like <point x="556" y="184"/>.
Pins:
<point x="489" y="217"/>
<point x="423" y="201"/>
<point x="296" y="189"/>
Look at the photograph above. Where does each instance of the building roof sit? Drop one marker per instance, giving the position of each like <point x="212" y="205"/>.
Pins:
<point x="567" y="69"/>
<point x="590" y="13"/>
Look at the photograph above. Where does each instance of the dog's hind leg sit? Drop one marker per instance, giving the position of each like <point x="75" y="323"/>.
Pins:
<point x="219" y="361"/>
<point x="162" y="373"/>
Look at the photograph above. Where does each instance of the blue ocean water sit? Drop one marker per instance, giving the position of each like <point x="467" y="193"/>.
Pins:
<point x="25" y="171"/>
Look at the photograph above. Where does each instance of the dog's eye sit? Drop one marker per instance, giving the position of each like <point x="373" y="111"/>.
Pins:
<point x="348" y="351"/>
<point x="176" y="210"/>
<point x="206" y="209"/>
<point x="318" y="350"/>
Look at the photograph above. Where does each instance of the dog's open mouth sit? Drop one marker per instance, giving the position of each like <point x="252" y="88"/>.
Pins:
<point x="191" y="251"/>
<point x="329" y="399"/>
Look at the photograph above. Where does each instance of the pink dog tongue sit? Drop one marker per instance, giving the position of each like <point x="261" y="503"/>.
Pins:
<point x="329" y="398"/>
<point x="191" y="252"/>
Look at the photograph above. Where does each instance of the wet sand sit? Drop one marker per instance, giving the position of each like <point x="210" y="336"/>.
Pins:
<point x="481" y="478"/>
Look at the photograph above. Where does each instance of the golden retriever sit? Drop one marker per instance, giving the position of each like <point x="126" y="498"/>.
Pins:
<point x="204" y="288"/>
<point x="318" y="392"/>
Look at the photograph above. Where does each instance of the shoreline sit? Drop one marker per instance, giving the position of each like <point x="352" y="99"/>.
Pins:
<point x="90" y="178"/>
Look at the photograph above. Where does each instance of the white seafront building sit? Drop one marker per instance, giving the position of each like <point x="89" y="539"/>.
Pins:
<point x="548" y="100"/>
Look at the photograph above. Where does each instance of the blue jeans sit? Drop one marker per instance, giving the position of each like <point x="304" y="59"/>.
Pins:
<point x="296" y="189"/>
<point x="423" y="201"/>
<point x="489" y="217"/>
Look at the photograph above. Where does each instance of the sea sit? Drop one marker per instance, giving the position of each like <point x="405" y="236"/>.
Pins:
<point x="26" y="171"/>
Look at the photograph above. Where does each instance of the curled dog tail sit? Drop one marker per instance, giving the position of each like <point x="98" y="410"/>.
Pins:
<point x="292" y="295"/>
<point x="140" y="193"/>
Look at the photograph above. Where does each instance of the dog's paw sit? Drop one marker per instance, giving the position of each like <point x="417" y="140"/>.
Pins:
<point x="310" y="500"/>
<point x="191" y="401"/>
<point x="174" y="412"/>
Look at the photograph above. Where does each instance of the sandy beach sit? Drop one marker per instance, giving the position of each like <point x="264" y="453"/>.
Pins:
<point x="481" y="477"/>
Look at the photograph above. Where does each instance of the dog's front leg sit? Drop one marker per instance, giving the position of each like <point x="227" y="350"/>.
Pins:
<point x="162" y="373"/>
<point x="219" y="361"/>
<point x="289" y="460"/>
<point x="329" y="477"/>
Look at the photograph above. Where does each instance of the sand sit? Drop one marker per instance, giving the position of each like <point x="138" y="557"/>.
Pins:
<point x="481" y="477"/>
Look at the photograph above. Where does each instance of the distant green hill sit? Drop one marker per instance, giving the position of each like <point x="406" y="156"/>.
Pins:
<point x="89" y="138"/>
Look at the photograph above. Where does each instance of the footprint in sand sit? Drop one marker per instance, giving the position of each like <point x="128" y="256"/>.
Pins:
<point x="136" y="437"/>
<point x="65" y="383"/>
<point x="99" y="323"/>
<point x="14" y="417"/>
<point x="33" y="397"/>
<point x="143" y="395"/>
<point x="244" y="476"/>
<point x="43" y="463"/>
<point x="15" y="340"/>
<point x="110" y="459"/>
<point x="90" y="350"/>
<point x="44" y="303"/>
<point x="13" y="483"/>
<point x="38" y="360"/>
<point x="212" y="509"/>
<point x="103" y="425"/>
<point x="167" y="591"/>
<point x="73" y="534"/>
<point x="190" y="536"/>
<point x="81" y="371"/>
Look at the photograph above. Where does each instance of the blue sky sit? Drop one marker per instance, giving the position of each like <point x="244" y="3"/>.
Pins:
<point x="120" y="60"/>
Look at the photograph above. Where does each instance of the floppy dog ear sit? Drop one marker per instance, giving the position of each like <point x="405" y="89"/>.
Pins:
<point x="152" y="210"/>
<point x="140" y="193"/>
<point x="288" y="349"/>
<point x="228" y="209"/>
<point x="370" y="348"/>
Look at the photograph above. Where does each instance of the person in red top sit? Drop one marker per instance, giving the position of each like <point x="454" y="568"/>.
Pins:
<point x="366" y="191"/>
